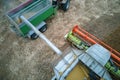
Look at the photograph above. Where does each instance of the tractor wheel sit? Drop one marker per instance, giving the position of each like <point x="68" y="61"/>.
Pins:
<point x="34" y="36"/>
<point x="54" y="3"/>
<point x="43" y="29"/>
<point x="65" y="6"/>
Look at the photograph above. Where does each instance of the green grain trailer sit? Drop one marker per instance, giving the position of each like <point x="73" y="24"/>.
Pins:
<point x="36" y="11"/>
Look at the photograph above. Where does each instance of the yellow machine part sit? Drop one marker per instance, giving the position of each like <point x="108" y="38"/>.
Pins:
<point x="79" y="72"/>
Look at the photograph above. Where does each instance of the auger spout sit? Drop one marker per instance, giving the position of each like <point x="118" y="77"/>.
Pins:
<point x="50" y="44"/>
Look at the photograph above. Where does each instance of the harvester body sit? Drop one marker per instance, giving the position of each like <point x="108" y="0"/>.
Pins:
<point x="102" y="55"/>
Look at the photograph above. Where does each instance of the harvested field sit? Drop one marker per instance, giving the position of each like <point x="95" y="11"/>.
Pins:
<point x="24" y="59"/>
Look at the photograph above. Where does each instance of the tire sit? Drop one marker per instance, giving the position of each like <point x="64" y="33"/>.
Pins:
<point x="43" y="29"/>
<point x="65" y="6"/>
<point x="54" y="3"/>
<point x="34" y="36"/>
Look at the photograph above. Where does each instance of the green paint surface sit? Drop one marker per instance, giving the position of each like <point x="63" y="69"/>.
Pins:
<point x="37" y="20"/>
<point x="76" y="41"/>
<point x="113" y="70"/>
<point x="73" y="39"/>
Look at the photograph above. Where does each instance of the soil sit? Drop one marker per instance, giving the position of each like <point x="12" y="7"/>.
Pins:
<point x="25" y="59"/>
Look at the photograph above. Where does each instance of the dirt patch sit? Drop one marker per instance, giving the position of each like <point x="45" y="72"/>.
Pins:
<point x="114" y="39"/>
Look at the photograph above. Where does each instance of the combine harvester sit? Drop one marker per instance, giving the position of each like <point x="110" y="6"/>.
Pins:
<point x="96" y="55"/>
<point x="36" y="11"/>
<point x="86" y="64"/>
<point x="91" y="60"/>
